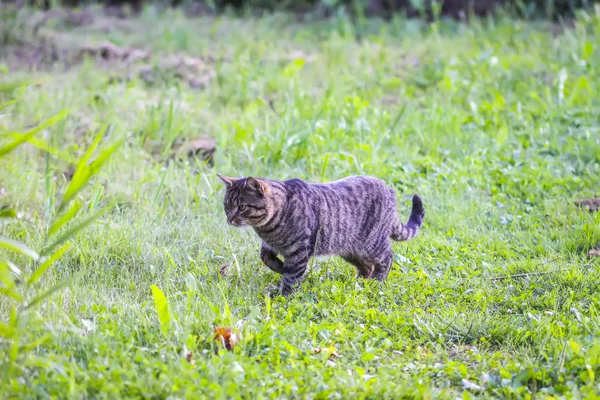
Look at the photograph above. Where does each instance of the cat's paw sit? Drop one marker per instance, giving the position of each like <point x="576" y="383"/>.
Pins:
<point x="273" y="290"/>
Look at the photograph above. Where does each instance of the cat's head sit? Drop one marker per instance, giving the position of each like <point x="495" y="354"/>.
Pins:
<point x="248" y="201"/>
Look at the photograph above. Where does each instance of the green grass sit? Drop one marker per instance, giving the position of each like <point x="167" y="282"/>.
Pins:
<point x="496" y="124"/>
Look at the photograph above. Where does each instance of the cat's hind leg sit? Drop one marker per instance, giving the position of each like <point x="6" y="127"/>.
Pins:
<point x="382" y="260"/>
<point x="364" y="267"/>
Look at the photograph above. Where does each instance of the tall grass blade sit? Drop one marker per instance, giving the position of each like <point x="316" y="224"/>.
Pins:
<point x="33" y="303"/>
<point x="74" y="230"/>
<point x="65" y="218"/>
<point x="37" y="274"/>
<point x="6" y="276"/>
<point x="11" y="293"/>
<point x="84" y="173"/>
<point x="43" y="145"/>
<point x="18" y="247"/>
<point x="28" y="135"/>
<point x="7" y="104"/>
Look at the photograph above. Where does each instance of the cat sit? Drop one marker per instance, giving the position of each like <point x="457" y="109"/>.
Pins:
<point x="354" y="218"/>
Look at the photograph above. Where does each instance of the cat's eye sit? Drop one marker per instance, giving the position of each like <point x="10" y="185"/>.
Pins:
<point x="226" y="209"/>
<point x="242" y="208"/>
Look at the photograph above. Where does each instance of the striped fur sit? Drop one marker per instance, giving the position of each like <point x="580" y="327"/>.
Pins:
<point x="353" y="218"/>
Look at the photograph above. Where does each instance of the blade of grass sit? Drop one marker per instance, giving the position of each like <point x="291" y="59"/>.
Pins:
<point x="82" y="173"/>
<point x="37" y="274"/>
<point x="7" y="104"/>
<point x="18" y="247"/>
<point x="65" y="218"/>
<point x="6" y="277"/>
<point x="43" y="145"/>
<point x="11" y="293"/>
<point x="74" y="230"/>
<point x="28" y="135"/>
<point x="46" y="294"/>
<point x="81" y="179"/>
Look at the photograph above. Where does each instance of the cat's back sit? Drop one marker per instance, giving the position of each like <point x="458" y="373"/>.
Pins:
<point x="357" y="187"/>
<point x="360" y="186"/>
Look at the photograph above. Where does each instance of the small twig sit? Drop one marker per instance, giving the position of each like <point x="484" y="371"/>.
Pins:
<point x="497" y="278"/>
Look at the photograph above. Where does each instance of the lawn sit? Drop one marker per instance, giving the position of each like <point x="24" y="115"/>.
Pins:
<point x="495" y="124"/>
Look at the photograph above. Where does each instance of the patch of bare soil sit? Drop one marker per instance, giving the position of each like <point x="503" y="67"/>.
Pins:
<point x="47" y="48"/>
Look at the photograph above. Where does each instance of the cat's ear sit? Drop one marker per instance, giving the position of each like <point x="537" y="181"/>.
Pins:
<point x="258" y="185"/>
<point x="227" y="180"/>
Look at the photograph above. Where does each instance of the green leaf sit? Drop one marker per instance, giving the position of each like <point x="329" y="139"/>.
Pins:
<point x="46" y="294"/>
<point x="293" y="68"/>
<point x="6" y="331"/>
<point x="74" y="230"/>
<point x="37" y="274"/>
<point x="18" y="247"/>
<point x="28" y="135"/>
<point x="65" y="218"/>
<point x="7" y="104"/>
<point x="367" y="356"/>
<point x="11" y="293"/>
<point x="43" y="145"/>
<point x="7" y="213"/>
<point x="6" y="276"/>
<point x="84" y="173"/>
<point x="162" y="308"/>
<point x="36" y="343"/>
<point x="588" y="51"/>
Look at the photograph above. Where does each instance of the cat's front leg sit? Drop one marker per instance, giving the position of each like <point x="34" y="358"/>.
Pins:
<point x="294" y="269"/>
<point x="269" y="257"/>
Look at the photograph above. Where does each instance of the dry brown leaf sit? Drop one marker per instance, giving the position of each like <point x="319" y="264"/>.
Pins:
<point x="203" y="148"/>
<point x="226" y="337"/>
<point x="224" y="270"/>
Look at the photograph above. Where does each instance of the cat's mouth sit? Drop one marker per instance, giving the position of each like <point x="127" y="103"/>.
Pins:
<point x="237" y="223"/>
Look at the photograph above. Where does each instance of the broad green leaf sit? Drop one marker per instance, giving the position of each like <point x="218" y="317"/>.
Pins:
<point x="37" y="274"/>
<point x="45" y="295"/>
<point x="162" y="308"/>
<point x="74" y="230"/>
<point x="8" y="213"/>
<point x="65" y="218"/>
<point x="18" y="247"/>
<point x="28" y="135"/>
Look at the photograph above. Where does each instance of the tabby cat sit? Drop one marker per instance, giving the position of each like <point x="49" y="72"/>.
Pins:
<point x="353" y="217"/>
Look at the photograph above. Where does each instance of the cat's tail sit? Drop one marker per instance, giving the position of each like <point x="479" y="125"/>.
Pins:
<point x="402" y="232"/>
